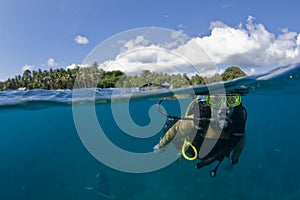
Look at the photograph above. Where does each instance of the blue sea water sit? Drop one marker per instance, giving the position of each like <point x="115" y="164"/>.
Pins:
<point x="42" y="156"/>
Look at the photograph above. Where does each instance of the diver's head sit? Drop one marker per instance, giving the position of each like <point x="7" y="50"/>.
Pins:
<point x="222" y="108"/>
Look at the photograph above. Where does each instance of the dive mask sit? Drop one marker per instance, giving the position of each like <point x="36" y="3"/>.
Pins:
<point x="231" y="100"/>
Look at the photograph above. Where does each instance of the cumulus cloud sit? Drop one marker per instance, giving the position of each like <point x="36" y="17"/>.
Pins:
<point x="138" y="42"/>
<point x="51" y="62"/>
<point x="27" y="67"/>
<point x="179" y="55"/>
<point x="141" y="53"/>
<point x="79" y="39"/>
<point x="248" y="45"/>
<point x="217" y="24"/>
<point x="149" y="58"/>
<point x="73" y="66"/>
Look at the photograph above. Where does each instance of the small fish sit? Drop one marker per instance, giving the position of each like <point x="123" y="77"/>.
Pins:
<point x="277" y="150"/>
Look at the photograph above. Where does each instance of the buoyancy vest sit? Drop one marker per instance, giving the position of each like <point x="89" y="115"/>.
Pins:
<point x="234" y="130"/>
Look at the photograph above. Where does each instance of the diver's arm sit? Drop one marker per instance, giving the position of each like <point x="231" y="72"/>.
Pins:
<point x="182" y="126"/>
<point x="238" y="150"/>
<point x="168" y="137"/>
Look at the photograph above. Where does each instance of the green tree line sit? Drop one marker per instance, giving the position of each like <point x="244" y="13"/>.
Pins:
<point x="94" y="77"/>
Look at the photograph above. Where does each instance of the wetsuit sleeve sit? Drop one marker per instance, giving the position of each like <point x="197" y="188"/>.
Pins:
<point x="238" y="149"/>
<point x="182" y="126"/>
<point x="169" y="136"/>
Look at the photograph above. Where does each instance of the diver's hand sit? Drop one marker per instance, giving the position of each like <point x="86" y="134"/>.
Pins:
<point x="158" y="150"/>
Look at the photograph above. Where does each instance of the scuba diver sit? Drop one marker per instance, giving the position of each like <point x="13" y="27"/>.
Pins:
<point x="102" y="187"/>
<point x="212" y="129"/>
<point x="102" y="183"/>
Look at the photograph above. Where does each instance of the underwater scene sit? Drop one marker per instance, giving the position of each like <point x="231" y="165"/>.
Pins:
<point x="43" y="157"/>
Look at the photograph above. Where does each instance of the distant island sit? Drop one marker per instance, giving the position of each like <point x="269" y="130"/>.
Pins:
<point x="92" y="76"/>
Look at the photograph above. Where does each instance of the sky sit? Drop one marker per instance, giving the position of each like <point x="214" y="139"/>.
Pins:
<point x="255" y="35"/>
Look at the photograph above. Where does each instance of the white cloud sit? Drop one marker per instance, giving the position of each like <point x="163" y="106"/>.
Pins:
<point x="73" y="66"/>
<point x="140" y="54"/>
<point x="217" y="24"/>
<point x="181" y="26"/>
<point x="250" y="19"/>
<point x="51" y="62"/>
<point x="177" y="34"/>
<point x="252" y="46"/>
<point x="298" y="40"/>
<point x="27" y="67"/>
<point x="285" y="30"/>
<point x="152" y="58"/>
<point x="138" y="42"/>
<point x="79" y="39"/>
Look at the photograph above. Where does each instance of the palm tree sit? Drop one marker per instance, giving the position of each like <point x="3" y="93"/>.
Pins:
<point x="26" y="77"/>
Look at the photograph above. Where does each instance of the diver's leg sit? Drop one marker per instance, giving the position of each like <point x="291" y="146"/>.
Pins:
<point x="218" y="152"/>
